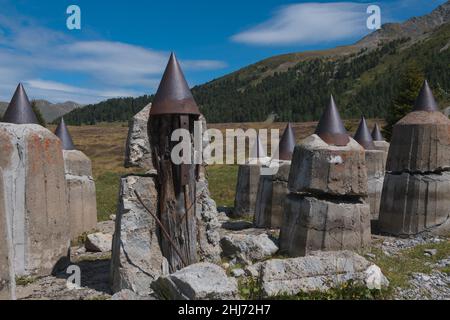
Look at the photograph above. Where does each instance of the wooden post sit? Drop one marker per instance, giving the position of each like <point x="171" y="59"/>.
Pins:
<point x="177" y="192"/>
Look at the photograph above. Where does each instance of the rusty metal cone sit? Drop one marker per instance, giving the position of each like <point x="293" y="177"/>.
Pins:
<point x="425" y="101"/>
<point x="376" y="133"/>
<point x="331" y="128"/>
<point x="62" y="132"/>
<point x="363" y="135"/>
<point x="19" y="110"/>
<point x="173" y="95"/>
<point x="287" y="144"/>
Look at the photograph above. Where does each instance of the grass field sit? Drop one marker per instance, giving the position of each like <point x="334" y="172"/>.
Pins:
<point x="104" y="144"/>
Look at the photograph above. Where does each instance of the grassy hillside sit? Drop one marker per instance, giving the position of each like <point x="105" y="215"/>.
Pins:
<point x="363" y="77"/>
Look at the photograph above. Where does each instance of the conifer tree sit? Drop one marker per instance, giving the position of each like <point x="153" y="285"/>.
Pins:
<point x="411" y="81"/>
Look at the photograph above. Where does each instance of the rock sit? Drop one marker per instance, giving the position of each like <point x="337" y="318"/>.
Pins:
<point x="430" y="252"/>
<point x="128" y="295"/>
<point x="98" y="242"/>
<point x="136" y="260"/>
<point x="318" y="272"/>
<point x="208" y="225"/>
<point x="312" y="224"/>
<point x="412" y="204"/>
<point x="251" y="244"/>
<point x="375" y="279"/>
<point x="370" y="256"/>
<point x="222" y="217"/>
<point x="7" y="283"/>
<point x="251" y="271"/>
<point x="434" y="286"/>
<point x="237" y="273"/>
<point x="202" y="281"/>
<point x="420" y="143"/>
<point x="246" y="190"/>
<point x="138" y="152"/>
<point x="319" y="168"/>
<point x="36" y="202"/>
<point x="270" y="200"/>
<point x="237" y="225"/>
<point x="375" y="163"/>
<point x="81" y="195"/>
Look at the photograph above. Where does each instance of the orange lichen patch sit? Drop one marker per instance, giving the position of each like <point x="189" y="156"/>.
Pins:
<point x="6" y="148"/>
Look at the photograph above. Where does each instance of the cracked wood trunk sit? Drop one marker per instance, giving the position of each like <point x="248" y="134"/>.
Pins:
<point x="177" y="192"/>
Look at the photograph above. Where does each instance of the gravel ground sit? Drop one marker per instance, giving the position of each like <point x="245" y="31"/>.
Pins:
<point x="95" y="272"/>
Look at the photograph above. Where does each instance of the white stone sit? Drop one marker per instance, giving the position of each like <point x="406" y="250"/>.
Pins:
<point x="98" y="242"/>
<point x="202" y="281"/>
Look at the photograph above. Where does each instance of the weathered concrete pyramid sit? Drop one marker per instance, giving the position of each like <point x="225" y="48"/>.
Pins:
<point x="325" y="209"/>
<point x="272" y="189"/>
<point x="81" y="197"/>
<point x="379" y="141"/>
<point x="416" y="188"/>
<point x="19" y="110"/>
<point x="248" y="181"/>
<point x="173" y="95"/>
<point x="7" y="283"/>
<point x="375" y="163"/>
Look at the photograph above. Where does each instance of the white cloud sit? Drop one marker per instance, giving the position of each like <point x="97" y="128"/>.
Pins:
<point x="27" y="50"/>
<point x="308" y="23"/>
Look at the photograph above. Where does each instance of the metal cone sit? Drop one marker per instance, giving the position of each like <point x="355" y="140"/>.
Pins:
<point x="19" y="110"/>
<point x="425" y="101"/>
<point x="330" y="128"/>
<point x="376" y="133"/>
<point x="63" y="134"/>
<point x="363" y="135"/>
<point x="173" y="95"/>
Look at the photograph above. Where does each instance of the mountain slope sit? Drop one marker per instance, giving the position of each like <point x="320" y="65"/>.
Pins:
<point x="50" y="111"/>
<point x="364" y="78"/>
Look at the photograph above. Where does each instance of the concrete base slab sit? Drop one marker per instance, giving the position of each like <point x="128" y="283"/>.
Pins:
<point x="412" y="204"/>
<point x="311" y="224"/>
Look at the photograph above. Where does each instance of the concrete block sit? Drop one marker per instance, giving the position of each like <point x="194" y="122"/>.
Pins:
<point x="420" y="143"/>
<point x="7" y="286"/>
<point x="33" y="171"/>
<point x="81" y="196"/>
<point x="270" y="200"/>
<point x="375" y="162"/>
<point x="246" y="190"/>
<point x="312" y="224"/>
<point x="412" y="204"/>
<point x="319" y="168"/>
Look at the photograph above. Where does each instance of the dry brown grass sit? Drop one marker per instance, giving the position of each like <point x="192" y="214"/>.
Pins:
<point x="104" y="144"/>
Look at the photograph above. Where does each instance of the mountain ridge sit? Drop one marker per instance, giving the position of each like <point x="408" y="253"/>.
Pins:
<point x="50" y="111"/>
<point x="295" y="86"/>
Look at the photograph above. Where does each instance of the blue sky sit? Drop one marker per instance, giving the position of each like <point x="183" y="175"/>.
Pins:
<point x="123" y="46"/>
